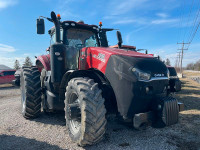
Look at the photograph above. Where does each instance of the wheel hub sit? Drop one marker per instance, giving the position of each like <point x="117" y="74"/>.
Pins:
<point x="74" y="113"/>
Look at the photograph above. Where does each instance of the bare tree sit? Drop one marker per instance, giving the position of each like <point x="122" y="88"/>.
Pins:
<point x="190" y="66"/>
<point x="194" y="66"/>
<point x="167" y="62"/>
<point x="16" y="65"/>
<point x="28" y="62"/>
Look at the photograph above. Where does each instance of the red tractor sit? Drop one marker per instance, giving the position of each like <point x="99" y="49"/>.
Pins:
<point x="89" y="80"/>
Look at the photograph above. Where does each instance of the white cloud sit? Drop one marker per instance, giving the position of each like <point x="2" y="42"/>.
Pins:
<point x="7" y="3"/>
<point x="137" y="12"/>
<point x="125" y="6"/>
<point x="65" y="8"/>
<point x="130" y="34"/>
<point x="9" y="60"/>
<point x="170" y="51"/>
<point x="6" y="48"/>
<point x="124" y="21"/>
<point x="162" y="15"/>
<point x="145" y="21"/>
<point x="8" y="55"/>
<point x="162" y="21"/>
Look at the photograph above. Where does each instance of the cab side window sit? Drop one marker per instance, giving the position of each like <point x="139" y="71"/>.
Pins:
<point x="53" y="37"/>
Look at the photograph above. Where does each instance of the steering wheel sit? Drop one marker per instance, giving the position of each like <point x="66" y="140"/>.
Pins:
<point x="79" y="46"/>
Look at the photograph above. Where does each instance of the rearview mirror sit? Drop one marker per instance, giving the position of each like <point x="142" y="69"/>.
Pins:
<point x="119" y="38"/>
<point x="40" y="26"/>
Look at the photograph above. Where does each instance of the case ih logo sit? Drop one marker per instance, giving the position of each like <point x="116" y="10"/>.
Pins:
<point x="159" y="75"/>
<point x="100" y="57"/>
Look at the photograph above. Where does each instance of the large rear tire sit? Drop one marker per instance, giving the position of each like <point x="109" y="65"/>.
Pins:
<point x="30" y="92"/>
<point x="85" y="111"/>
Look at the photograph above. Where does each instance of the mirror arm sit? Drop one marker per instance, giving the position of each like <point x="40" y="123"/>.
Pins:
<point x="49" y="19"/>
<point x="57" y="27"/>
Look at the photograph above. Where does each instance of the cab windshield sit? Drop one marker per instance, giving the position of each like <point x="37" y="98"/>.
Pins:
<point x="75" y="40"/>
<point x="79" y="38"/>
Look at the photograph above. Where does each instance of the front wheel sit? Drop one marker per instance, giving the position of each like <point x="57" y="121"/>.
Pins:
<point x="30" y="92"/>
<point x="170" y="113"/>
<point x="84" y="111"/>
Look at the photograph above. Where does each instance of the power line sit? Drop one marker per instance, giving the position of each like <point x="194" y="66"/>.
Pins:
<point x="181" y="18"/>
<point x="195" y="32"/>
<point x="194" y="24"/>
<point x="189" y="18"/>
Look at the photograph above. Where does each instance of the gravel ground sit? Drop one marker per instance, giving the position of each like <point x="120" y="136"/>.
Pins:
<point x="49" y="132"/>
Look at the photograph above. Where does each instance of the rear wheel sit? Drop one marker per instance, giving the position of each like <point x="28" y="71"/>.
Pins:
<point x="30" y="92"/>
<point x="85" y="111"/>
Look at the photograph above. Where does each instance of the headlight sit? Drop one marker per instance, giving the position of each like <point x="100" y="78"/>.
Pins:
<point x="142" y="76"/>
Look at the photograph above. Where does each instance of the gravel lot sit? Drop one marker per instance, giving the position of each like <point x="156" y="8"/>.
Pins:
<point x="49" y="132"/>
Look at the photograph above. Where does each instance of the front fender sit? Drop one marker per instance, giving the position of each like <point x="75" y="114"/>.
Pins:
<point x="43" y="62"/>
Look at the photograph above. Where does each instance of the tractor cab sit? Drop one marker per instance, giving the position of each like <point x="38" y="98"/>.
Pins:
<point x="75" y="36"/>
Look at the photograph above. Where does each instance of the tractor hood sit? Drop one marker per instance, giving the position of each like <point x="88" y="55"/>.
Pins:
<point x="121" y="64"/>
<point x="116" y="51"/>
<point x="104" y="57"/>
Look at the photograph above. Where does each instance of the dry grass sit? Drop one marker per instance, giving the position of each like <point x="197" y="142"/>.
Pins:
<point x="5" y="85"/>
<point x="190" y="118"/>
<point x="190" y="94"/>
<point x="191" y="73"/>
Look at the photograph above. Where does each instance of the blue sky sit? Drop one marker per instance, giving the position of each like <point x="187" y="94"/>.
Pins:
<point x="148" y="24"/>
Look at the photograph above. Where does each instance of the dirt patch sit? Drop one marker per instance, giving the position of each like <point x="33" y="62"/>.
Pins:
<point x="49" y="131"/>
<point x="183" y="144"/>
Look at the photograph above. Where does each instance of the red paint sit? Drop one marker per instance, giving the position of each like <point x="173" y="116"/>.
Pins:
<point x="93" y="62"/>
<point x="151" y="54"/>
<point x="45" y="60"/>
<point x="6" y="76"/>
<point x="89" y="57"/>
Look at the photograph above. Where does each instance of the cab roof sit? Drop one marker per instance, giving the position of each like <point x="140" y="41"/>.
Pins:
<point x="73" y="24"/>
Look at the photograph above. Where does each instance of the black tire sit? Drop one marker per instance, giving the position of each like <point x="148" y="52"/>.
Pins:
<point x="170" y="113"/>
<point x="30" y="92"/>
<point x="85" y="111"/>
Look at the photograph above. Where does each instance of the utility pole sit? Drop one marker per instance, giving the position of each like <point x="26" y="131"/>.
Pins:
<point x="182" y="49"/>
<point x="178" y="60"/>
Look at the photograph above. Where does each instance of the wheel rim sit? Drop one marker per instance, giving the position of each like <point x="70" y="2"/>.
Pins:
<point x="23" y="94"/>
<point x="74" y="113"/>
